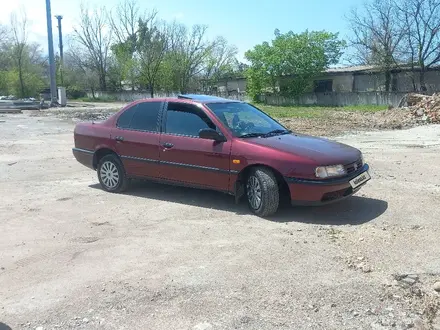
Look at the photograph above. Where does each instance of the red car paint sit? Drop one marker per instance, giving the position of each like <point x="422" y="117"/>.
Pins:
<point x="220" y="165"/>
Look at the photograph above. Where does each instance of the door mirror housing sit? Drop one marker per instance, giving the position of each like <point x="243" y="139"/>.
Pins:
<point x="211" y="134"/>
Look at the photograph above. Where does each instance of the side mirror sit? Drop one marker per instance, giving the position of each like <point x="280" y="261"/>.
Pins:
<point x="211" y="134"/>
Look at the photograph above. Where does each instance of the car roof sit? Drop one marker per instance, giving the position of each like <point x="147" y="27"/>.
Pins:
<point x="188" y="98"/>
<point x="205" y="98"/>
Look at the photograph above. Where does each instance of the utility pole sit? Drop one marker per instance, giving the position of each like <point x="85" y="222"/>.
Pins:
<point x="60" y="34"/>
<point x="53" y="86"/>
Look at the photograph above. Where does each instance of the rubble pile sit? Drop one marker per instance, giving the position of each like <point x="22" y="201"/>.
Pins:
<point x="425" y="108"/>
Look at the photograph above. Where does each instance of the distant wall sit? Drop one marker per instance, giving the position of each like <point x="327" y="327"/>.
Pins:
<point x="358" y="82"/>
<point x="128" y="96"/>
<point x="402" y="81"/>
<point x="337" y="99"/>
<point x="325" y="99"/>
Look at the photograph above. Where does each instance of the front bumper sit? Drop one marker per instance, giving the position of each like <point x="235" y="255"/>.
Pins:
<point x="319" y="192"/>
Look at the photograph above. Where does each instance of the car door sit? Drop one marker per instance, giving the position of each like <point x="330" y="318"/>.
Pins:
<point x="137" y="136"/>
<point x="185" y="157"/>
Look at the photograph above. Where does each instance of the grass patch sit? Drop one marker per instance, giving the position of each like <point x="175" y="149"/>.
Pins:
<point x="314" y="111"/>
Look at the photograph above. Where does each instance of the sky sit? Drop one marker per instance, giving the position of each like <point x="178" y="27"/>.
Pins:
<point x="244" y="23"/>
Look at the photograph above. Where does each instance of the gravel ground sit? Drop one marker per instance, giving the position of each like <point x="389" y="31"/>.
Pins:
<point x="162" y="257"/>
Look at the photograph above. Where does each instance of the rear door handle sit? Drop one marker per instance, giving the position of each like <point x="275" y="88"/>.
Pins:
<point x="119" y="138"/>
<point x="168" y="145"/>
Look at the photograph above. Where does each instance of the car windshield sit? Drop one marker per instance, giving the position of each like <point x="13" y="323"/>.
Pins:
<point x="245" y="120"/>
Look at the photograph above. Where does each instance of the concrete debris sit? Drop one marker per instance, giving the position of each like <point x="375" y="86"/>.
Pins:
<point x="424" y="108"/>
<point x="407" y="279"/>
<point x="437" y="286"/>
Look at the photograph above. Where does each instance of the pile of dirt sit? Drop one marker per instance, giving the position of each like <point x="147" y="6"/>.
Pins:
<point x="82" y="114"/>
<point x="340" y="122"/>
<point x="424" y="108"/>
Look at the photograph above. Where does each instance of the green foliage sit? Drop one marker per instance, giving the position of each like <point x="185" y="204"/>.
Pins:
<point x="22" y="73"/>
<point x="32" y="83"/>
<point x="124" y="62"/>
<point x="289" y="63"/>
<point x="75" y="92"/>
<point x="255" y="82"/>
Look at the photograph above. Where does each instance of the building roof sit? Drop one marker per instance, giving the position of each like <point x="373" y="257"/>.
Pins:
<point x="355" y="68"/>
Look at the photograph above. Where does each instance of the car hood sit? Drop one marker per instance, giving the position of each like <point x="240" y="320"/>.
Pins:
<point x="322" y="151"/>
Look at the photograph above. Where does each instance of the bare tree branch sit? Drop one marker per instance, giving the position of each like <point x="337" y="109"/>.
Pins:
<point x="94" y="34"/>
<point x="422" y="20"/>
<point x="378" y="35"/>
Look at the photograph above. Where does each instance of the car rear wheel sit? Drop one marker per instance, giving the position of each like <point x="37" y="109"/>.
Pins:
<point x="111" y="174"/>
<point x="262" y="192"/>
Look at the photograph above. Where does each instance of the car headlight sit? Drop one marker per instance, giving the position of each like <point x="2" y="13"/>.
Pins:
<point x="330" y="171"/>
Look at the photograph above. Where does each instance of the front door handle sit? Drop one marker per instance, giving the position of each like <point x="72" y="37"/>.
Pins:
<point x="168" y="145"/>
<point x="119" y="138"/>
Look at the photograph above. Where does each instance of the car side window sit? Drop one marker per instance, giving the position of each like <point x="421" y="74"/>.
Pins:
<point x="186" y="119"/>
<point x="145" y="116"/>
<point x="125" y="118"/>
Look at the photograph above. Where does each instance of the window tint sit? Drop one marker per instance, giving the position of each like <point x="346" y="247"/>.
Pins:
<point x="186" y="120"/>
<point x="124" y="119"/>
<point x="145" y="117"/>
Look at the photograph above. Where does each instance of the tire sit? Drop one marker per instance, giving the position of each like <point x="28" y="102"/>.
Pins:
<point x="263" y="180"/>
<point x="111" y="174"/>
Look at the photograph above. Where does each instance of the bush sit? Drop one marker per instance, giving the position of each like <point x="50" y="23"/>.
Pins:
<point x="74" y="92"/>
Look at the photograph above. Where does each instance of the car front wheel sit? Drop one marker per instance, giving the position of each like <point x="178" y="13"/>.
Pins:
<point x="111" y="174"/>
<point x="262" y="192"/>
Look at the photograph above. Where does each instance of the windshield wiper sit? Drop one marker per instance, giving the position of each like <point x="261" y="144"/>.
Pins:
<point x="250" y="135"/>
<point x="277" y="132"/>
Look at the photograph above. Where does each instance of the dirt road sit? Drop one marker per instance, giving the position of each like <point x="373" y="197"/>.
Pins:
<point x="160" y="257"/>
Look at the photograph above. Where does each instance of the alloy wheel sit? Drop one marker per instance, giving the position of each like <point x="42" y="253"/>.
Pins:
<point x="109" y="175"/>
<point x="254" y="192"/>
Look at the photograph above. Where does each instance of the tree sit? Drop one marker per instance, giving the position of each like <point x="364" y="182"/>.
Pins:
<point x="192" y="51"/>
<point x="378" y="36"/>
<point x="4" y="57"/>
<point x="422" y="24"/>
<point x="124" y="22"/>
<point x="109" y="49"/>
<point x="152" y="45"/>
<point x="4" y="36"/>
<point x="220" y="63"/>
<point x="291" y="61"/>
<point x="79" y="74"/>
<point x="264" y="71"/>
<point x="21" y="63"/>
<point x="94" y="36"/>
<point x="19" y="40"/>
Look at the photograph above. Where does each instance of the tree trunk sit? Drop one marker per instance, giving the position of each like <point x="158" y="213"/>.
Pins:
<point x="20" y="77"/>
<point x="422" y="79"/>
<point x="413" y="80"/>
<point x="387" y="80"/>
<point x="151" y="91"/>
<point x="103" y="83"/>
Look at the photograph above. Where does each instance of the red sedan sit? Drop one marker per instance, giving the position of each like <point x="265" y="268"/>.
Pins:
<point x="214" y="143"/>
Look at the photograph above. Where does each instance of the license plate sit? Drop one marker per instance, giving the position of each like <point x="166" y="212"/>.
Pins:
<point x="360" y="179"/>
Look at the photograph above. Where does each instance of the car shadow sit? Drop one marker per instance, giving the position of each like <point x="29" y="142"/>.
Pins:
<point x="354" y="210"/>
<point x="4" y="326"/>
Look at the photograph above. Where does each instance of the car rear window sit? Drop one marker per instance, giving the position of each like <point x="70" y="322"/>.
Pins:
<point x="124" y="119"/>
